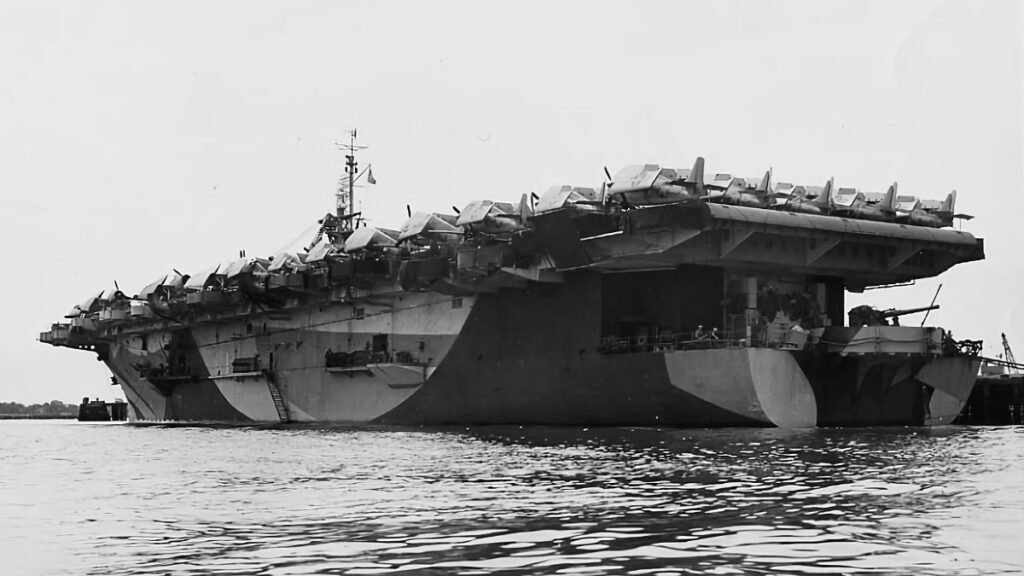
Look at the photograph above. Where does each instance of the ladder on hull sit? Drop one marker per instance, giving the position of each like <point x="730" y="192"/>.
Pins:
<point x="275" y="394"/>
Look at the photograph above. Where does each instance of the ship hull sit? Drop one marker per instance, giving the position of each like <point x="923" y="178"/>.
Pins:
<point x="512" y="358"/>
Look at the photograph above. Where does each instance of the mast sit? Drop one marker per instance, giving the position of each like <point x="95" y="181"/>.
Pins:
<point x="345" y="195"/>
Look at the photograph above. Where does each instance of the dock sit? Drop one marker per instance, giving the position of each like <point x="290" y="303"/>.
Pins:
<point x="99" y="411"/>
<point x="997" y="400"/>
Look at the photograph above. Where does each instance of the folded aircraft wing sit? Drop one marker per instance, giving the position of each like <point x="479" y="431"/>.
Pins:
<point x="558" y="196"/>
<point x="425" y="222"/>
<point x="198" y="281"/>
<point x="634" y="178"/>
<point x="322" y="249"/>
<point x="905" y="203"/>
<point x="235" y="267"/>
<point x="284" y="259"/>
<point x="172" y="278"/>
<point x="844" y="197"/>
<point x="475" y="212"/>
<point x="367" y="236"/>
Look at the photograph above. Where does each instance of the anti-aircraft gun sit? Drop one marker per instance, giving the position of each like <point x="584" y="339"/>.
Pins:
<point x="865" y="315"/>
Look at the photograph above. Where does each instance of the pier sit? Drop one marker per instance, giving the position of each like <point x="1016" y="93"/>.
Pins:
<point x="997" y="400"/>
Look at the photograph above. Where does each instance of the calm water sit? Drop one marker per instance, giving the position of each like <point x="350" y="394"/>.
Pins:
<point x="120" y="499"/>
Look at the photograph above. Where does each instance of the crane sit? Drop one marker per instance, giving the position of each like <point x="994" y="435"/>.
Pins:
<point x="1008" y="355"/>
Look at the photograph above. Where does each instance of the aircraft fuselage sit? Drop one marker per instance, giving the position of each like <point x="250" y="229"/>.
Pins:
<point x="923" y="218"/>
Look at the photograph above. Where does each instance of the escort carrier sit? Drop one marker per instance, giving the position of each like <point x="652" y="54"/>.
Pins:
<point x="661" y="298"/>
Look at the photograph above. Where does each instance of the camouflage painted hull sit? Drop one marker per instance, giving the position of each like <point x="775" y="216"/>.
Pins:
<point x="527" y="357"/>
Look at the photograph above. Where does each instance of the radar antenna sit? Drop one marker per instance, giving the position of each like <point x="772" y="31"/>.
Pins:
<point x="345" y="195"/>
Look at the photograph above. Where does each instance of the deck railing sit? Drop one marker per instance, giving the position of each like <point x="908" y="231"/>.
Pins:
<point x="673" y="342"/>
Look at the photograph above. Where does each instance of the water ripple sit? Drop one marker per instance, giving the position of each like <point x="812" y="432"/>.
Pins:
<point x="507" y="500"/>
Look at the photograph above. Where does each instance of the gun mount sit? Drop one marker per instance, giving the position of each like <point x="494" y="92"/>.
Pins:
<point x="870" y="316"/>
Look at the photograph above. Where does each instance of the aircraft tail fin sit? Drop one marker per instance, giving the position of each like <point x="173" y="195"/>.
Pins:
<point x="889" y="202"/>
<point x="525" y="210"/>
<point x="765" y="187"/>
<point x="825" y="198"/>
<point x="603" y="195"/>
<point x="949" y="204"/>
<point x="696" y="177"/>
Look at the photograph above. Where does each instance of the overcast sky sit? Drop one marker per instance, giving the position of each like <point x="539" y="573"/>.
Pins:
<point x="139" y="136"/>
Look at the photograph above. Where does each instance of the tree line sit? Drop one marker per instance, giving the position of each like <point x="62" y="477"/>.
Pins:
<point x="51" y="408"/>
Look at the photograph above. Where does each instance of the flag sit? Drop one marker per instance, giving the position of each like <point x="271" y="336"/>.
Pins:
<point x="369" y="176"/>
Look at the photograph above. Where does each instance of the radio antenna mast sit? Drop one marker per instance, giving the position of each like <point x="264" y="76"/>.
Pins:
<point x="925" y="319"/>
<point x="345" y="195"/>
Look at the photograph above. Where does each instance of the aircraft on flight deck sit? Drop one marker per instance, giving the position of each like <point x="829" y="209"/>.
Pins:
<point x="940" y="217"/>
<point x="743" y="191"/>
<point x="648" y="184"/>
<point x="495" y="218"/>
<point x="428" y="226"/>
<point x="562" y="196"/>
<point x="801" y="201"/>
<point x="859" y="208"/>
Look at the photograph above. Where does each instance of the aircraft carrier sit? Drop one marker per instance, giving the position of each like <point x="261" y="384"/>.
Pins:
<point x="663" y="297"/>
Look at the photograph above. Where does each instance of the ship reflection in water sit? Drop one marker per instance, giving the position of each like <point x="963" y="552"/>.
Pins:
<point x="180" y="500"/>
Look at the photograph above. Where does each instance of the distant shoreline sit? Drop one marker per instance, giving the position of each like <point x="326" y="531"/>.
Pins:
<point x="38" y="416"/>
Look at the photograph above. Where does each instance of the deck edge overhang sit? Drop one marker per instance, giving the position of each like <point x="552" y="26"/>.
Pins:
<point x="693" y="232"/>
